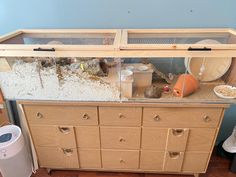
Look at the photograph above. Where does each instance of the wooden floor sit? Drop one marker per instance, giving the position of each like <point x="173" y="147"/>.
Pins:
<point x="218" y="167"/>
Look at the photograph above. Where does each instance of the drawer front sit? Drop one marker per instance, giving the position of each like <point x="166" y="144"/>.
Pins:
<point x="65" y="115"/>
<point x="173" y="161"/>
<point x="195" y="162"/>
<point x="120" y="138"/>
<point x="177" y="139"/>
<point x="120" y="116"/>
<point x="54" y="136"/>
<point x="182" y="117"/>
<point x="3" y="116"/>
<point x="112" y="159"/>
<point x="152" y="160"/>
<point x="87" y="136"/>
<point x="201" y="139"/>
<point x="154" y="138"/>
<point x="52" y="157"/>
<point x="89" y="158"/>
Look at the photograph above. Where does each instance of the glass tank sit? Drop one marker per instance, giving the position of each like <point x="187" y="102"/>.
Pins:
<point x="196" y="79"/>
<point x="169" y="65"/>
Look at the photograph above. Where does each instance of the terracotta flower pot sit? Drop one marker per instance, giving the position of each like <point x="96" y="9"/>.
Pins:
<point x="185" y="85"/>
<point x="1" y="97"/>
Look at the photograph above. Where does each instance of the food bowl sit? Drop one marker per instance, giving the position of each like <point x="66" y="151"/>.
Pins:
<point x="142" y="68"/>
<point x="225" y="91"/>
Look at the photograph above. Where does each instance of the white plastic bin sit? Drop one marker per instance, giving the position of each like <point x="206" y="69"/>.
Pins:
<point x="14" y="157"/>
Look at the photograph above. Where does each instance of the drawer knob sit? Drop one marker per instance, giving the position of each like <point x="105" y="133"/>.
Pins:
<point x="157" y="118"/>
<point x="85" y="116"/>
<point x="64" y="130"/>
<point x="174" y="155"/>
<point x="177" y="132"/>
<point x="206" y="119"/>
<point x="122" y="161"/>
<point x="122" y="139"/>
<point x="67" y="152"/>
<point x="121" y="116"/>
<point x="39" y="115"/>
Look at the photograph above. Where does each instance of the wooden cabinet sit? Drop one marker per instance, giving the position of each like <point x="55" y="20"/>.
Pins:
<point x="120" y="138"/>
<point x="120" y="116"/>
<point x="140" y="137"/>
<point x="152" y="160"/>
<point x="181" y="117"/>
<point x="66" y="115"/>
<point x="120" y="159"/>
<point x="89" y="158"/>
<point x="55" y="157"/>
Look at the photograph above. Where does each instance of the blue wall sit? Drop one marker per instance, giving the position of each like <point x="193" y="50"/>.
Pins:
<point x="15" y="14"/>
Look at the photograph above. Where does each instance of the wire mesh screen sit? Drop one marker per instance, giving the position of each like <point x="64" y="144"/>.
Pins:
<point x="172" y="40"/>
<point x="65" y="41"/>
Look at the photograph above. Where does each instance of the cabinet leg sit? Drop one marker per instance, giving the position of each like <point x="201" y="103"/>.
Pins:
<point x="196" y="174"/>
<point x="49" y="170"/>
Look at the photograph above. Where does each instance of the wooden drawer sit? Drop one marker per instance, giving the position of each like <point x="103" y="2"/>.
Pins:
<point x="125" y="116"/>
<point x="154" y="138"/>
<point x="112" y="159"/>
<point x="177" y="139"/>
<point x="54" y="136"/>
<point x="89" y="158"/>
<point x="195" y="162"/>
<point x="173" y="161"/>
<point x="182" y="117"/>
<point x="120" y="138"/>
<point x="3" y="116"/>
<point x="52" y="157"/>
<point x="87" y="136"/>
<point x="201" y="139"/>
<point x="152" y="160"/>
<point x="61" y="114"/>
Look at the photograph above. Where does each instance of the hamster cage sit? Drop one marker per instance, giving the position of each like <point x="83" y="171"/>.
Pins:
<point x="172" y="65"/>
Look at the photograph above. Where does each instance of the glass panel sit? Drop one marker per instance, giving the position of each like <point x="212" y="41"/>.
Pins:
<point x="114" y="79"/>
<point x="82" y="79"/>
<point x="63" y="38"/>
<point x="177" y="79"/>
<point x="181" y="38"/>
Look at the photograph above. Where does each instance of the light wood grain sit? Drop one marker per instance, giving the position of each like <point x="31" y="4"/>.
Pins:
<point x="63" y="115"/>
<point x="52" y="136"/>
<point x="120" y="137"/>
<point x="12" y="51"/>
<point x="54" y="157"/>
<point x="89" y="158"/>
<point x="201" y="139"/>
<point x="173" y="163"/>
<point x="154" y="138"/>
<point x="152" y="160"/>
<point x="124" y="104"/>
<point x="122" y="159"/>
<point x="195" y="162"/>
<point x="177" y="139"/>
<point x="124" y="116"/>
<point x="181" y="117"/>
<point x="87" y="136"/>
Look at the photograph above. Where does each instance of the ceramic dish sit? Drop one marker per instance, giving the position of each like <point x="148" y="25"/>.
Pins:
<point x="225" y="91"/>
<point x="142" y="68"/>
